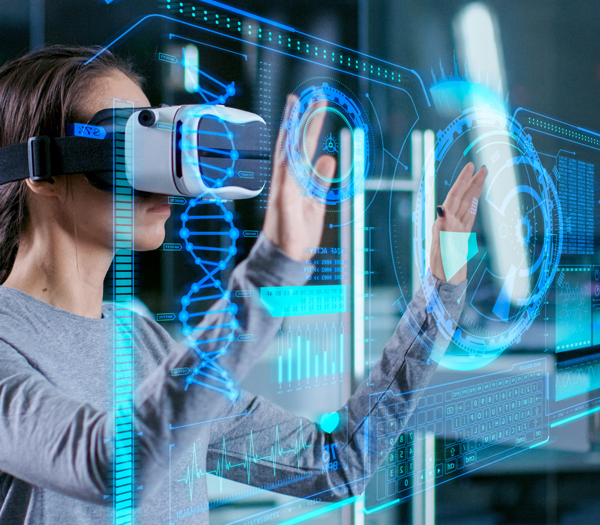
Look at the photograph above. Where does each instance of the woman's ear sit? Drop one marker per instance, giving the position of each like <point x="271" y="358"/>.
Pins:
<point x="53" y="187"/>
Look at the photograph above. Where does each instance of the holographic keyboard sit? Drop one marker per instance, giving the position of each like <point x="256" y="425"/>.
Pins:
<point x="468" y="424"/>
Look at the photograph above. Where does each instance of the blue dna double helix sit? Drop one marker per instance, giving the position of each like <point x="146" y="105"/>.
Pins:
<point x="209" y="341"/>
<point x="198" y="226"/>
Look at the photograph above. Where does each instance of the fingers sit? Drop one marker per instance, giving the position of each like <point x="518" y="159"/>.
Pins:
<point x="473" y="192"/>
<point x="326" y="166"/>
<point x="455" y="195"/>
<point x="280" y="155"/>
<point x="314" y="127"/>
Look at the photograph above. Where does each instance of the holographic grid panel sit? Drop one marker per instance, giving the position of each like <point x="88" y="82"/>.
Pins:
<point x="480" y="420"/>
<point x="573" y="309"/>
<point x="576" y="193"/>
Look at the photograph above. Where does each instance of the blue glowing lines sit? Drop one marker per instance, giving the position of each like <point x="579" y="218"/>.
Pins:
<point x="309" y="356"/>
<point x="172" y="35"/>
<point x="336" y="104"/>
<point x="577" y="376"/>
<point x="303" y="59"/>
<point x="251" y="457"/>
<point x="209" y="341"/>
<point x="453" y="94"/>
<point x="247" y="14"/>
<point x="208" y="96"/>
<point x="505" y="294"/>
<point x="203" y="126"/>
<point x="123" y="329"/>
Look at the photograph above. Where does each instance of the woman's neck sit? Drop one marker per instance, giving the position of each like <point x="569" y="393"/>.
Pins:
<point x="59" y="270"/>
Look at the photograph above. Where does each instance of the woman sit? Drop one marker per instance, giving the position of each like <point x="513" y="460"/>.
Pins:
<point x="56" y="425"/>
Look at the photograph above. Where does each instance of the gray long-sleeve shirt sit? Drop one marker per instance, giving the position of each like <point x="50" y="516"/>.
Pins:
<point x="56" y="401"/>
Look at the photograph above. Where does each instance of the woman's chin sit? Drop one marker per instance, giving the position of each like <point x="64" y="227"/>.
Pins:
<point x="146" y="243"/>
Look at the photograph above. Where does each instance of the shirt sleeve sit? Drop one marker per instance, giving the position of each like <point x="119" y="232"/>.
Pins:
<point x="284" y="447"/>
<point x="55" y="441"/>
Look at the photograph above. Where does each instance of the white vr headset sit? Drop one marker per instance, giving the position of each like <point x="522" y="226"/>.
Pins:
<point x="194" y="150"/>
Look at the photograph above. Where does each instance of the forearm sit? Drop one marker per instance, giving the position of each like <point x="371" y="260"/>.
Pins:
<point x="52" y="440"/>
<point x="167" y="401"/>
<point x="405" y="367"/>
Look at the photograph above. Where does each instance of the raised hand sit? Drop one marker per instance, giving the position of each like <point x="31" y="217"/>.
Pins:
<point x="294" y="222"/>
<point x="457" y="215"/>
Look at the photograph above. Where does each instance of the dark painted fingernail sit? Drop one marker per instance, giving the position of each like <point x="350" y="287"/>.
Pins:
<point x="440" y="211"/>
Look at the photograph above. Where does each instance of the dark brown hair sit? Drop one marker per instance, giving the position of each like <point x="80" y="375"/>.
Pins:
<point x="40" y="93"/>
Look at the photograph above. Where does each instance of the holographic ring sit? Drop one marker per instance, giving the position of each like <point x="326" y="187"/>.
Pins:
<point x="492" y="346"/>
<point x="319" y="187"/>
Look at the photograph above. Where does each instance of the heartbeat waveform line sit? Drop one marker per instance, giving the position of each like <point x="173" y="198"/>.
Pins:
<point x="250" y="457"/>
<point x="581" y="374"/>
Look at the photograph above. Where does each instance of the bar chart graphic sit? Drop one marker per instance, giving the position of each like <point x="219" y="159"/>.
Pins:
<point x="309" y="353"/>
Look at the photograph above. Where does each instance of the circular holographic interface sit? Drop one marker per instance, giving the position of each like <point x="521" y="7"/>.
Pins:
<point x="328" y="120"/>
<point x="514" y="248"/>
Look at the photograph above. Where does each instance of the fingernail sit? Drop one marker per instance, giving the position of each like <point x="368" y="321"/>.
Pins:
<point x="440" y="211"/>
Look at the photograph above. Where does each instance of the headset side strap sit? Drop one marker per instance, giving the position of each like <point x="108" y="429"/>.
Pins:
<point x="41" y="158"/>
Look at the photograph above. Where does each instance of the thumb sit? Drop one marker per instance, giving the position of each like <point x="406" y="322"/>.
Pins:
<point x="326" y="166"/>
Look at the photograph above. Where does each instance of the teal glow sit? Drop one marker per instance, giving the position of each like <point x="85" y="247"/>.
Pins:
<point x="457" y="248"/>
<point x="283" y="301"/>
<point x="540" y="443"/>
<point x="573" y="418"/>
<point x="381" y="507"/>
<point x="454" y="96"/>
<point x="319" y="512"/>
<point x="577" y="379"/>
<point x="574" y="309"/>
<point x="488" y="134"/>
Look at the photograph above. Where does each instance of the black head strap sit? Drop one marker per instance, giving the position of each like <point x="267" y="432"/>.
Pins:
<point x="42" y="157"/>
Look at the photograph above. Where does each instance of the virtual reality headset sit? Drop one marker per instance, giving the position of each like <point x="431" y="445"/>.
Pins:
<point x="194" y="150"/>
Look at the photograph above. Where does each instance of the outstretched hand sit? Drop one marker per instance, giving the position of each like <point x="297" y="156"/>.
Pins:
<point x="294" y="222"/>
<point x="459" y="211"/>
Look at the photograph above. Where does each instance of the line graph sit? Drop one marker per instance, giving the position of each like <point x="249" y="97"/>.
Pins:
<point x="577" y="377"/>
<point x="573" y="309"/>
<point x="251" y="457"/>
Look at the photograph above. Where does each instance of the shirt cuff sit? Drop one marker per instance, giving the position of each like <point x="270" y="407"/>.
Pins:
<point x="450" y="294"/>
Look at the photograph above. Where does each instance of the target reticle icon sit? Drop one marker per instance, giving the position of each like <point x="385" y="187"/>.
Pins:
<point x="518" y="255"/>
<point x="209" y="342"/>
<point x="342" y="111"/>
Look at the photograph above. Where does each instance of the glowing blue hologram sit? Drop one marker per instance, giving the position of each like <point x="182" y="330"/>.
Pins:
<point x="217" y="95"/>
<point x="573" y="309"/>
<point x="457" y="248"/>
<point x="577" y="376"/>
<point x="502" y="306"/>
<point x="453" y="94"/>
<point x="329" y="422"/>
<point x="336" y="102"/>
<point x="524" y="230"/>
<point x="203" y="293"/>
<point x="285" y="301"/>
<point x="273" y="453"/>
<point x="576" y="191"/>
<point x="331" y="144"/>
<point x="525" y="220"/>
<point x="313" y="357"/>
<point x="519" y="423"/>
